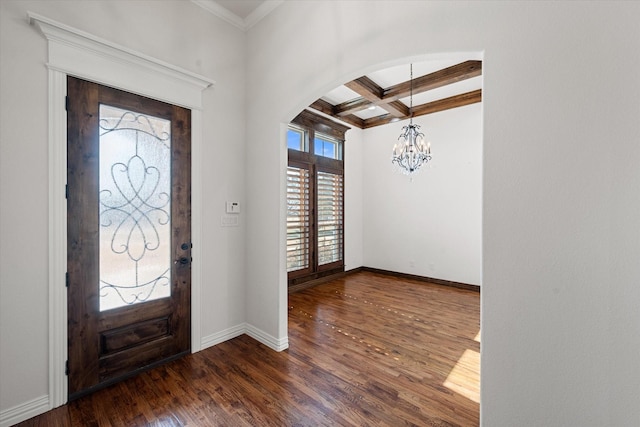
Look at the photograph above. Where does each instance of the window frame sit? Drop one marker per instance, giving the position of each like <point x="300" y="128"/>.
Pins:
<point x="305" y="139"/>
<point x="311" y="124"/>
<point x="330" y="139"/>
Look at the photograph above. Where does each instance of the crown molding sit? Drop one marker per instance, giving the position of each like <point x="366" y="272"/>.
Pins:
<point x="222" y="13"/>
<point x="244" y="24"/>
<point x="261" y="11"/>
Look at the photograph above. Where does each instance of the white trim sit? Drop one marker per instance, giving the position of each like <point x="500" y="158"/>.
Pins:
<point x="196" y="230"/>
<point x="277" y="344"/>
<point x="22" y="412"/>
<point x="221" y="12"/>
<point x="260" y="12"/>
<point x="244" y="24"/>
<point x="83" y="55"/>
<point x="242" y="329"/>
<point x="57" y="238"/>
<point x="222" y="336"/>
<point x="250" y="330"/>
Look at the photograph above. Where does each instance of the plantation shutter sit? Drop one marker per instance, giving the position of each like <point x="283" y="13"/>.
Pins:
<point x="298" y="224"/>
<point x="330" y="217"/>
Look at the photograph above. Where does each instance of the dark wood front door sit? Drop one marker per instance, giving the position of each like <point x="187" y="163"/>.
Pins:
<point x="128" y="234"/>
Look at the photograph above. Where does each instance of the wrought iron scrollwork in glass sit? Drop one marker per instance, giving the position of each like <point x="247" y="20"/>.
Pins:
<point x="135" y="207"/>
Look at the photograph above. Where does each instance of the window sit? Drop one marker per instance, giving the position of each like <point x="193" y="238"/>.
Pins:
<point x="296" y="139"/>
<point x="315" y="198"/>
<point x="327" y="147"/>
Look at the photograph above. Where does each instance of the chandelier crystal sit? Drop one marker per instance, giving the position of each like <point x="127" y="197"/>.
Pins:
<point x="412" y="152"/>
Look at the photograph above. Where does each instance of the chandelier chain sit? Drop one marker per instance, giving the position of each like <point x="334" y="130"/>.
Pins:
<point x="411" y="95"/>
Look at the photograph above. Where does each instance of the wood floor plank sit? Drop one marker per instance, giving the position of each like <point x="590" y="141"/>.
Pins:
<point x="367" y="349"/>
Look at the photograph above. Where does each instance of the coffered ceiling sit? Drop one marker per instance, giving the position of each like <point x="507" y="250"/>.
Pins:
<point x="383" y="96"/>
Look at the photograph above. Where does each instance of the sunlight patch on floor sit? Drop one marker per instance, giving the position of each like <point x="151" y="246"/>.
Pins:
<point x="464" y="378"/>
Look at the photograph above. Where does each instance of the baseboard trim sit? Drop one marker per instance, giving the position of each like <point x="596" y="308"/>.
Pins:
<point x="24" y="411"/>
<point x="222" y="336"/>
<point x="302" y="286"/>
<point x="311" y="283"/>
<point x="40" y="405"/>
<point x="449" y="283"/>
<point x="246" y="329"/>
<point x="277" y="344"/>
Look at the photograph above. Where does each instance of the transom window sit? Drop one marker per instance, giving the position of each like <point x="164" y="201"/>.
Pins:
<point x="326" y="146"/>
<point x="296" y="139"/>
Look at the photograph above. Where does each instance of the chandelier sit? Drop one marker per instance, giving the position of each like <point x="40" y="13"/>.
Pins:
<point x="412" y="152"/>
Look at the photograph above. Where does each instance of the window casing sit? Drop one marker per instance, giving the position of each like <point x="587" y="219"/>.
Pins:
<point x="315" y="198"/>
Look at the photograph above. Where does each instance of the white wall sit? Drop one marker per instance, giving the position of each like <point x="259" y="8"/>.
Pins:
<point x="428" y="224"/>
<point x="354" y="167"/>
<point x="561" y="211"/>
<point x="177" y="32"/>
<point x="560" y="207"/>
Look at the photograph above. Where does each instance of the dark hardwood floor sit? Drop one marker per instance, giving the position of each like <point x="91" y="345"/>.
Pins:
<point x="367" y="350"/>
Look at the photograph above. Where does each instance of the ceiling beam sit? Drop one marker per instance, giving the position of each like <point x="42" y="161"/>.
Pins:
<point x="324" y="107"/>
<point x="396" y="109"/>
<point x="448" y="103"/>
<point x="372" y="94"/>
<point x="446" y="76"/>
<point x="352" y="106"/>
<point x="370" y="91"/>
<point x="366" y="88"/>
<point x="353" y="120"/>
<point x="330" y="110"/>
<point x="429" y="108"/>
<point x="388" y="99"/>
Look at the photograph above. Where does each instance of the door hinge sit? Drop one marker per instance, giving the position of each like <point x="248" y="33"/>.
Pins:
<point x="66" y="279"/>
<point x="66" y="191"/>
<point x="66" y="367"/>
<point x="66" y="103"/>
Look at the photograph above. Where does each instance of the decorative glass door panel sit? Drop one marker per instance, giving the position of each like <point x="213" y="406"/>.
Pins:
<point x="134" y="207"/>
<point x="128" y="234"/>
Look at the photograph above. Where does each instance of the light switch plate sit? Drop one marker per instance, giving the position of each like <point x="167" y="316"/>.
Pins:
<point x="232" y="207"/>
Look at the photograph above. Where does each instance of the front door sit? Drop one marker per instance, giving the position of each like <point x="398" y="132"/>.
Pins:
<point x="128" y="234"/>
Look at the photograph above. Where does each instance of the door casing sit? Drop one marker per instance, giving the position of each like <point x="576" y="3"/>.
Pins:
<point x="75" y="52"/>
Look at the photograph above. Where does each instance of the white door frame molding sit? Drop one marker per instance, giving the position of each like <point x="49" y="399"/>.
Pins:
<point x="75" y="52"/>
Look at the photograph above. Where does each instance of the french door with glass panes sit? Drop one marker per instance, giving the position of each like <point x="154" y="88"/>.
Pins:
<point x="128" y="234"/>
